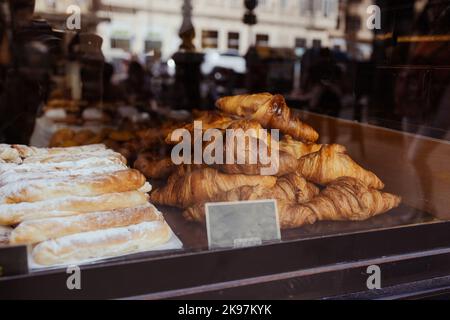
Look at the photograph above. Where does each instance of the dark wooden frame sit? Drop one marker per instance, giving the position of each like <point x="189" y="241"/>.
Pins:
<point x="322" y="267"/>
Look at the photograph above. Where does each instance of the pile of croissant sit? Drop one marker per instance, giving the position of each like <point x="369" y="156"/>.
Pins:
<point x="314" y="182"/>
<point x="75" y="204"/>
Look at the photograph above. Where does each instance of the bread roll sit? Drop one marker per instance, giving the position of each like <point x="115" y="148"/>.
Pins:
<point x="102" y="243"/>
<point x="87" y="186"/>
<point x="61" y="166"/>
<point x="26" y="151"/>
<point x="12" y="214"/>
<point x="57" y="158"/>
<point x="13" y="177"/>
<point x="34" y="231"/>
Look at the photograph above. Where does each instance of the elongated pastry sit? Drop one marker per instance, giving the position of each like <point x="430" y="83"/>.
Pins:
<point x="271" y="112"/>
<point x="289" y="189"/>
<point x="296" y="148"/>
<point x="202" y="185"/>
<point x="12" y="214"/>
<point x="57" y="158"/>
<point x="34" y="231"/>
<point x="26" y="151"/>
<point x="14" y="177"/>
<point x="346" y="199"/>
<point x="102" y="244"/>
<point x="85" y="186"/>
<point x="66" y="165"/>
<point x="5" y="234"/>
<point x="333" y="162"/>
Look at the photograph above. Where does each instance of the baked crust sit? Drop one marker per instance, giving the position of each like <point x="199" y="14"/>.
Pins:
<point x="87" y="186"/>
<point x="102" y="243"/>
<point x="34" y="231"/>
<point x="12" y="214"/>
<point x="26" y="151"/>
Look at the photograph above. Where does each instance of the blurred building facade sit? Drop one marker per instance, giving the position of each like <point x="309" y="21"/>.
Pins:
<point x="142" y="26"/>
<point x="151" y="27"/>
<point x="55" y="12"/>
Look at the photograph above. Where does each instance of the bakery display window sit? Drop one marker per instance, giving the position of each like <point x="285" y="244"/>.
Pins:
<point x="261" y="173"/>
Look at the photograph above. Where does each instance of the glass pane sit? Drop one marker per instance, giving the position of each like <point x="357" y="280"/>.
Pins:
<point x="348" y="101"/>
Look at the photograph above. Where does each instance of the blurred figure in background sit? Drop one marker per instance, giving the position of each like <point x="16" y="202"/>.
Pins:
<point x="322" y="81"/>
<point x="111" y="91"/>
<point x="137" y="86"/>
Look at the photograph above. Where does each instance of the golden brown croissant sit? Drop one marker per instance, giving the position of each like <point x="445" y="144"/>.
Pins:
<point x="332" y="162"/>
<point x="291" y="188"/>
<point x="201" y="186"/>
<point x="276" y="162"/>
<point x="271" y="112"/>
<point x="296" y="148"/>
<point x="154" y="168"/>
<point x="346" y="199"/>
<point x="219" y="122"/>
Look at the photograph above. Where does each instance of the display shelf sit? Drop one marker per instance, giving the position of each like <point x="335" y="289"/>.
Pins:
<point x="324" y="260"/>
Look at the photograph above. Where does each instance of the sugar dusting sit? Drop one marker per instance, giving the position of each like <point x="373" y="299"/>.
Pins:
<point x="23" y="166"/>
<point x="13" y="177"/>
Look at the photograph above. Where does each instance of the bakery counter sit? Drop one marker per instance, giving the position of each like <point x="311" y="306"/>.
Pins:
<point x="410" y="244"/>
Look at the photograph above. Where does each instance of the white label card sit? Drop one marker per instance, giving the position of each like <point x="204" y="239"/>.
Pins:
<point x="242" y="224"/>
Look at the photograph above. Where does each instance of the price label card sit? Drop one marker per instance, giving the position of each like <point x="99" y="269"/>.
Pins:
<point x="242" y="224"/>
<point x="13" y="260"/>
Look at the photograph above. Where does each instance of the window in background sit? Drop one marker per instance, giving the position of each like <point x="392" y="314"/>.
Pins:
<point x="262" y="40"/>
<point x="326" y="8"/>
<point x="124" y="44"/>
<point x="210" y="39"/>
<point x="306" y="7"/>
<point x="233" y="41"/>
<point x="317" y="43"/>
<point x="153" y="48"/>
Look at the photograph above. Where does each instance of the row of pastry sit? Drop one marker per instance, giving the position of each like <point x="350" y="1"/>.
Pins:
<point x="76" y="204"/>
<point x="314" y="182"/>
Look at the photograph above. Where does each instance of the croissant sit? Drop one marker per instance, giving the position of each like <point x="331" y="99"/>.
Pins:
<point x="332" y="162"/>
<point x="271" y="112"/>
<point x="296" y="148"/>
<point x="280" y="162"/>
<point x="201" y="186"/>
<point x="153" y="168"/>
<point x="345" y="199"/>
<point x="219" y="122"/>
<point x="291" y="188"/>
